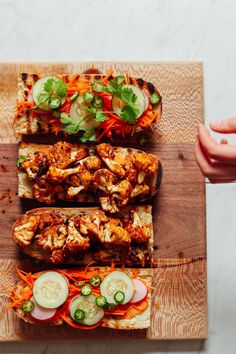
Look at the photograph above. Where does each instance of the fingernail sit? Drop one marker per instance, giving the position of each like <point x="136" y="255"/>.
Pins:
<point x="216" y="123"/>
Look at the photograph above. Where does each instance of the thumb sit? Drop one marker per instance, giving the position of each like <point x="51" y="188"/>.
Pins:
<point x="226" y="126"/>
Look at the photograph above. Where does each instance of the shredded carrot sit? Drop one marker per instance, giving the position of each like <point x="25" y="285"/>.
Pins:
<point x="135" y="273"/>
<point x="135" y="309"/>
<point x="72" y="80"/>
<point x="24" y="278"/>
<point x="145" y="120"/>
<point x="106" y="77"/>
<point x="87" y="266"/>
<point x="127" y="79"/>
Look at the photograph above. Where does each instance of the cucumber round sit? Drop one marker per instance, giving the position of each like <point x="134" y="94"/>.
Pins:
<point x="116" y="282"/>
<point x="140" y="103"/>
<point x="50" y="290"/>
<point x="38" y="88"/>
<point x="93" y="313"/>
<point x="79" y="112"/>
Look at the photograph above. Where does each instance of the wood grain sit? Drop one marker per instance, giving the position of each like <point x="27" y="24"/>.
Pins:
<point x="178" y="308"/>
<point x="179" y="298"/>
<point x="180" y="85"/>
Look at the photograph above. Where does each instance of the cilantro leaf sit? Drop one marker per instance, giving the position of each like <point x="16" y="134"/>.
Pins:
<point x="91" y="109"/>
<point x="89" y="135"/>
<point x="55" y="86"/>
<point x="114" y="88"/>
<point x="128" y="96"/>
<point x="60" y="88"/>
<point x="129" y="114"/>
<point x="48" y="86"/>
<point x="100" y="116"/>
<point x="20" y="160"/>
<point x="69" y="125"/>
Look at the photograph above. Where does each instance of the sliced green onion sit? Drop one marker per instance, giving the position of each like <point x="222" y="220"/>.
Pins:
<point x="54" y="102"/>
<point x="74" y="96"/>
<point x="155" y="98"/>
<point x="88" y="96"/>
<point x="86" y="290"/>
<point x="28" y="306"/>
<point x="79" y="315"/>
<point x="101" y="301"/>
<point x="119" y="297"/>
<point x="95" y="280"/>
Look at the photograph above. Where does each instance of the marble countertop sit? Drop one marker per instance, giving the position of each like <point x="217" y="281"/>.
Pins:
<point x="80" y="30"/>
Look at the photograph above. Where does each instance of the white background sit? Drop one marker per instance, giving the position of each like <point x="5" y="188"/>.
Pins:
<point x="74" y="30"/>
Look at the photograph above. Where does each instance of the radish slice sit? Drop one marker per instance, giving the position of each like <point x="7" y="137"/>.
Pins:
<point x="140" y="291"/>
<point x="146" y="102"/>
<point x="40" y="313"/>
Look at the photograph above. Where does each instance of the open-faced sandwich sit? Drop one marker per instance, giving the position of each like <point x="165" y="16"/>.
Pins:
<point x="84" y="299"/>
<point x="79" y="236"/>
<point x="112" y="176"/>
<point x="89" y="104"/>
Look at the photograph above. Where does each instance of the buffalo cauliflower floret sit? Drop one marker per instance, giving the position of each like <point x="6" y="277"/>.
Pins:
<point x="24" y="232"/>
<point x="146" y="164"/>
<point x="92" y="225"/>
<point x="43" y="191"/>
<point x="103" y="179"/>
<point x="61" y="154"/>
<point x="35" y="165"/>
<point x="138" y="231"/>
<point x="140" y="189"/>
<point x="75" y="241"/>
<point x="106" y="151"/>
<point x="122" y="188"/>
<point x="116" y="236"/>
<point x="109" y="204"/>
<point x="53" y="237"/>
<point x="83" y="178"/>
<point x="92" y="163"/>
<point x="74" y="191"/>
<point x="56" y="174"/>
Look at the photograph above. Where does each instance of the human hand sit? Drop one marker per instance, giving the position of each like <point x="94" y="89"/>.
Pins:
<point x="216" y="161"/>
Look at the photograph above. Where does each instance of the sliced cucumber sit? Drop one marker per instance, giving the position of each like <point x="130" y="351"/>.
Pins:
<point x="50" y="290"/>
<point x="87" y="304"/>
<point x="140" y="103"/>
<point x="79" y="112"/>
<point x="38" y="90"/>
<point x="116" y="282"/>
<point x="101" y="301"/>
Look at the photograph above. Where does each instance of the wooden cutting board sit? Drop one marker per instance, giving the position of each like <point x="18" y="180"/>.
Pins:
<point x="179" y="300"/>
